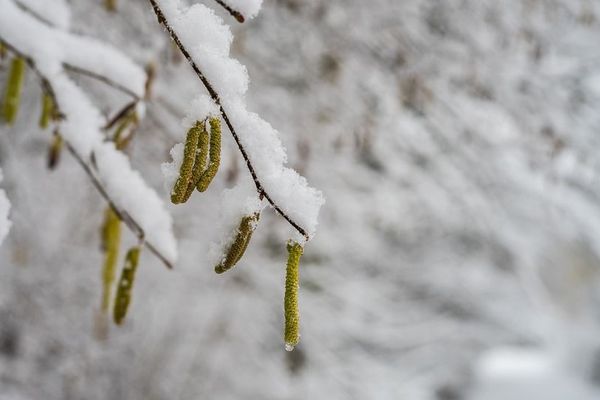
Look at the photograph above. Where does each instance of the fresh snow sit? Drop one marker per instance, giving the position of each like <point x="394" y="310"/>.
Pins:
<point x="82" y="128"/>
<point x="208" y="41"/>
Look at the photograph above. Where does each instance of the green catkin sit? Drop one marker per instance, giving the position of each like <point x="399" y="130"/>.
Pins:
<point x="55" y="150"/>
<point x="111" y="237"/>
<point x="239" y="245"/>
<point x="214" y="155"/>
<point x="3" y="50"/>
<point x="200" y="163"/>
<point x="178" y="195"/>
<point x="123" y="297"/>
<point x="254" y="222"/>
<point x="292" y="283"/>
<point x="47" y="110"/>
<point x="12" y="97"/>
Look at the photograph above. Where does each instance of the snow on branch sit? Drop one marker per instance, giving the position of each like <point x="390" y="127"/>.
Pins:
<point x="125" y="190"/>
<point x="205" y="42"/>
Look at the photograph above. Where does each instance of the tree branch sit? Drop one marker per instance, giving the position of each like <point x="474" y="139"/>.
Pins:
<point x="234" y="13"/>
<point x="104" y="79"/>
<point x="215" y="96"/>
<point x="131" y="223"/>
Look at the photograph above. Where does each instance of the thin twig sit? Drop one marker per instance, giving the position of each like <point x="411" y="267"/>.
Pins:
<point x="104" y="79"/>
<point x="215" y="96"/>
<point x="131" y="223"/>
<point x="120" y="114"/>
<point x="234" y="13"/>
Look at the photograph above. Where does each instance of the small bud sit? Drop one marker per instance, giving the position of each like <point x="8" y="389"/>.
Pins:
<point x="292" y="283"/>
<point x="150" y="77"/>
<point x="12" y="96"/>
<point x="214" y="155"/>
<point x="240" y="243"/>
<point x="54" y="150"/>
<point x="123" y="297"/>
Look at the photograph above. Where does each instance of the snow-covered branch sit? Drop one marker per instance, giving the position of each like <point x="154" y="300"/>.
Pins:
<point x="82" y="127"/>
<point x="205" y="42"/>
<point x="241" y="10"/>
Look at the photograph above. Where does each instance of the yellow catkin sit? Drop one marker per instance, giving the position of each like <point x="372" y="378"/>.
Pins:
<point x="123" y="297"/>
<point x="3" y="50"/>
<point x="200" y="162"/>
<point x="12" y="97"/>
<point x="214" y="155"/>
<point x="47" y="110"/>
<point x="178" y="195"/>
<point x="111" y="238"/>
<point x="292" y="283"/>
<point x="54" y="150"/>
<point x="239" y="245"/>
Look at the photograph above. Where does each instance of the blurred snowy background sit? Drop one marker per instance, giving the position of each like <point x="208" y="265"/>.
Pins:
<point x="457" y="255"/>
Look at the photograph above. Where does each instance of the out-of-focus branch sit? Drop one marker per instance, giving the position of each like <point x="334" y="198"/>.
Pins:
<point x="215" y="96"/>
<point x="104" y="79"/>
<point x="131" y="223"/>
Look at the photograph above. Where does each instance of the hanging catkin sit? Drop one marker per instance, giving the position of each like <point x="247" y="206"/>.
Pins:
<point x="178" y="195"/>
<point x="47" y="110"/>
<point x="200" y="163"/>
<point x="214" y="154"/>
<point x="123" y="297"/>
<point x="292" y="283"/>
<point x="240" y="243"/>
<point x="111" y="238"/>
<point x="12" y="97"/>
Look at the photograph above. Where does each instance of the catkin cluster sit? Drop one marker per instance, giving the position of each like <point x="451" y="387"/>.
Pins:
<point x="201" y="160"/>
<point x="12" y="99"/>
